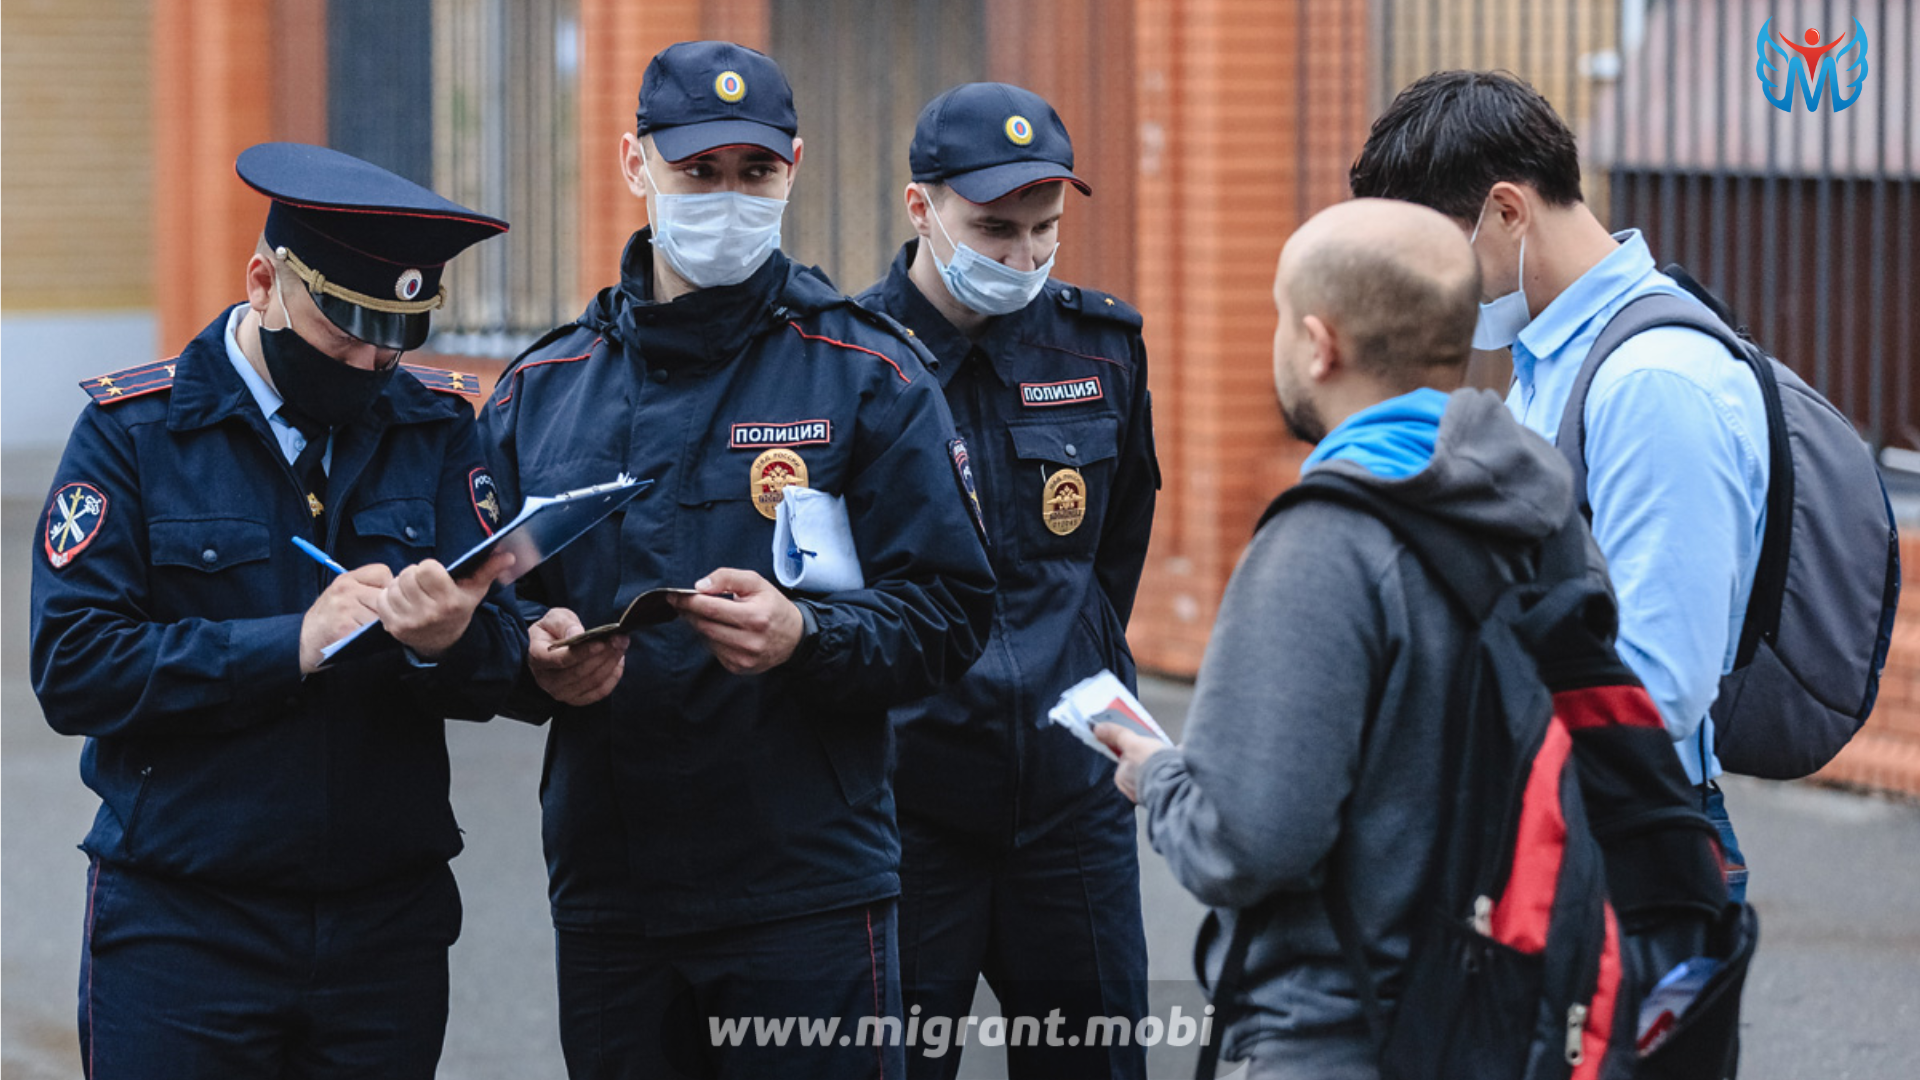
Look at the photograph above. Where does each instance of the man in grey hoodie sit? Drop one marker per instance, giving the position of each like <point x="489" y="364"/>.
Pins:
<point x="1314" y="739"/>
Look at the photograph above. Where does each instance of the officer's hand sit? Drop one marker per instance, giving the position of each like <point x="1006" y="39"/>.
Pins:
<point x="351" y="600"/>
<point x="755" y="631"/>
<point x="1134" y="750"/>
<point x="582" y="674"/>
<point x="426" y="610"/>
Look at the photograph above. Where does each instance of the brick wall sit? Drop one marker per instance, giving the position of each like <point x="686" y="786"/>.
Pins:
<point x="79" y="214"/>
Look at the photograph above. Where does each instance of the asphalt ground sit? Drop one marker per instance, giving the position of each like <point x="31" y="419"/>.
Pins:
<point x="1834" y="992"/>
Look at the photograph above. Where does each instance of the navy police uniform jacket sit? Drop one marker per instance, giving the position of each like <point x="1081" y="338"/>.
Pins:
<point x="1052" y="402"/>
<point x="691" y="798"/>
<point x="167" y="604"/>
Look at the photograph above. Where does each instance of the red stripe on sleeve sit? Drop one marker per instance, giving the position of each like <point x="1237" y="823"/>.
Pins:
<point x="1620" y="705"/>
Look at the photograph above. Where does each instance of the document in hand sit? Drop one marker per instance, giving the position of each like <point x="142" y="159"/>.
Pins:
<point x="650" y="608"/>
<point x="544" y="525"/>
<point x="1103" y="699"/>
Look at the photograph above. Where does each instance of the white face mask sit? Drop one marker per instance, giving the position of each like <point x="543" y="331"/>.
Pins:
<point x="1502" y="318"/>
<point x="715" y="238"/>
<point x="984" y="285"/>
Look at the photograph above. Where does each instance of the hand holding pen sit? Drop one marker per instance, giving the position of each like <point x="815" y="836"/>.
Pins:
<point x="349" y="601"/>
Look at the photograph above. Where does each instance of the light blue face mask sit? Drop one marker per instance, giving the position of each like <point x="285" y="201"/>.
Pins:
<point x="1503" y="317"/>
<point x="714" y="238"/>
<point x="983" y="285"/>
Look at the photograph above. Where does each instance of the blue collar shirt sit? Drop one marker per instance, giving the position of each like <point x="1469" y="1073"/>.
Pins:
<point x="1676" y="449"/>
<point x="289" y="437"/>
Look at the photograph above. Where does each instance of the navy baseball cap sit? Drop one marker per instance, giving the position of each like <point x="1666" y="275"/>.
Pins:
<point x="369" y="245"/>
<point x="988" y="140"/>
<point x="701" y="95"/>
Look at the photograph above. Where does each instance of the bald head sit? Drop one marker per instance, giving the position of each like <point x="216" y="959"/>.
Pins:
<point x="1395" y="283"/>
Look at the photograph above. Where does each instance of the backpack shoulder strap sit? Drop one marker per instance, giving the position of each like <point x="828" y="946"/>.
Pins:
<point x="1637" y="317"/>
<point x="1465" y="568"/>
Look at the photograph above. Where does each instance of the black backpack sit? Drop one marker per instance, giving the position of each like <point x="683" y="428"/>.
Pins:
<point x="1820" y="616"/>
<point x="1574" y="866"/>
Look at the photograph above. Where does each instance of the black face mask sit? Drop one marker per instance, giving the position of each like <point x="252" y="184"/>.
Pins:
<point x="331" y="391"/>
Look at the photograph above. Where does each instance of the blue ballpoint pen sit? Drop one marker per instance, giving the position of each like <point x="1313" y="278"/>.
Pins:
<point x="319" y="556"/>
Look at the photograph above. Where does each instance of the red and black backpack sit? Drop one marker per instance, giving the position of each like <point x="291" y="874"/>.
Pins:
<point x="1575" y="867"/>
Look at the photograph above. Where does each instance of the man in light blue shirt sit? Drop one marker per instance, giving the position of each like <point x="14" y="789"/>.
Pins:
<point x="1676" y="431"/>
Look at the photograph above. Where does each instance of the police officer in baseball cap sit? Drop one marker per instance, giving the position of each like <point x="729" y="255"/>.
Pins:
<point x="720" y="831"/>
<point x="269" y="892"/>
<point x="1019" y="859"/>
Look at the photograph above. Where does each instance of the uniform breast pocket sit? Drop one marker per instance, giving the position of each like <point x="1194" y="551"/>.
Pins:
<point x="215" y="567"/>
<point x="394" y="531"/>
<point x="1063" y="476"/>
<point x="730" y="499"/>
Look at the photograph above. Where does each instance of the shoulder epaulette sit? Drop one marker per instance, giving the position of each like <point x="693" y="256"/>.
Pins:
<point x="131" y="382"/>
<point x="445" y="380"/>
<point x="1099" y="305"/>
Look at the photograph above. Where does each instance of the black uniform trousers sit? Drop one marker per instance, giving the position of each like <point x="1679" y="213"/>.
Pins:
<point x="184" y="979"/>
<point x="814" y="996"/>
<point x="1053" y="925"/>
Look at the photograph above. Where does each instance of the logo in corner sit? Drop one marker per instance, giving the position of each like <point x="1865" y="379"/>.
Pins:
<point x="1816" y="69"/>
<point x="73" y="520"/>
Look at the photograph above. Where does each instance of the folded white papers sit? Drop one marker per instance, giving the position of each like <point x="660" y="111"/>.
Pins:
<point x="1103" y="699"/>
<point x="813" y="543"/>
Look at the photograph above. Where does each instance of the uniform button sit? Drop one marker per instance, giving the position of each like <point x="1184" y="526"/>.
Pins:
<point x="933" y="365"/>
<point x="412" y="532"/>
<point x="1067" y="295"/>
<point x="658" y="375"/>
<point x="209" y="556"/>
<point x="1072" y="450"/>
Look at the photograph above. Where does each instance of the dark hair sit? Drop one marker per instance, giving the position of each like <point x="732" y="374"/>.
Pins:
<point x="1452" y="135"/>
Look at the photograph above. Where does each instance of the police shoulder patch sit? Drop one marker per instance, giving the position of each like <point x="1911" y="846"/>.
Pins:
<point x="445" y="380"/>
<point x="74" y="518"/>
<point x="130" y="383"/>
<point x="1098" y="305"/>
<point x="486" y="498"/>
<point x="963" y="474"/>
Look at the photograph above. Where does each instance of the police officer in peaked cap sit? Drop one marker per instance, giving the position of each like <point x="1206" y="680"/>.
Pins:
<point x="268" y="891"/>
<point x="719" y="824"/>
<point x="1020" y="860"/>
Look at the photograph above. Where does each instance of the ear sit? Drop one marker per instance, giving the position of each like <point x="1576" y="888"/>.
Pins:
<point x="1511" y="207"/>
<point x="1327" y="361"/>
<point x="260" y="273"/>
<point x="631" y="165"/>
<point x="917" y="210"/>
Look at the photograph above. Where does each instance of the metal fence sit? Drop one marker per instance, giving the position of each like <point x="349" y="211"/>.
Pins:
<point x="505" y="142"/>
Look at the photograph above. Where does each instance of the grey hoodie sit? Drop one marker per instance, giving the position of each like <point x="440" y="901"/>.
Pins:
<point x="1318" y="705"/>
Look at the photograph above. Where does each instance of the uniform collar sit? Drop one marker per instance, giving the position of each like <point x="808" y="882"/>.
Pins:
<point x="1592" y="293"/>
<point x="905" y="302"/>
<point x="945" y="341"/>
<point x="263" y="392"/>
<point x="705" y="328"/>
<point x="208" y="388"/>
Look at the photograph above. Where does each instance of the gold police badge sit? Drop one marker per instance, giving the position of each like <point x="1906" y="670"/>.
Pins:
<point x="1063" y="505"/>
<point x="772" y="472"/>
